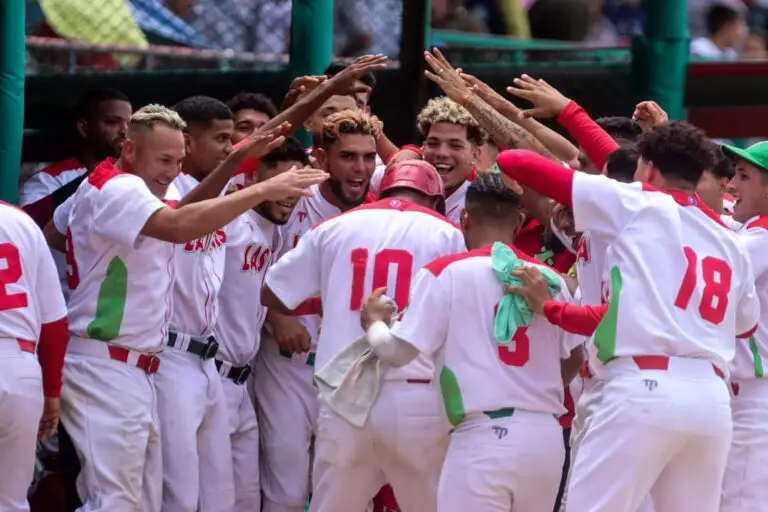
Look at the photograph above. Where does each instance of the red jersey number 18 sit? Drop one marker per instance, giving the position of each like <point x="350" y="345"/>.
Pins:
<point x="717" y="275"/>
<point x="382" y="260"/>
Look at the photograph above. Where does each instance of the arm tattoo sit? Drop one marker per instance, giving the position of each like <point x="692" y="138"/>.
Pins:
<point x="504" y="132"/>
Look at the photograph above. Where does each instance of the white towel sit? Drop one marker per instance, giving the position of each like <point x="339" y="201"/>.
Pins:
<point x="349" y="383"/>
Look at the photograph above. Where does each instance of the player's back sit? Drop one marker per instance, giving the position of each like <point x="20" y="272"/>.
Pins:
<point x="676" y="281"/>
<point x="382" y="244"/>
<point x="22" y="246"/>
<point x="479" y="374"/>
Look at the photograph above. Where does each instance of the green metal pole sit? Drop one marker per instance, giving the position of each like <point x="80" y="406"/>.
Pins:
<point x="311" y="41"/>
<point x="660" y="57"/>
<point x="12" y="26"/>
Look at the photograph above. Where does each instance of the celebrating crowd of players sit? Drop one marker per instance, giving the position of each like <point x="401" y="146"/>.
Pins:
<point x="250" y="324"/>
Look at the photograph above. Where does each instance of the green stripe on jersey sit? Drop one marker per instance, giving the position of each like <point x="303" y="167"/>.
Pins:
<point x="758" y="362"/>
<point x="452" y="400"/>
<point x="110" y="305"/>
<point x="605" y="334"/>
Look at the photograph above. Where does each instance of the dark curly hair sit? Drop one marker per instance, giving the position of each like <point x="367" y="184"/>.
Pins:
<point x="622" y="164"/>
<point x="202" y="110"/>
<point x="620" y="128"/>
<point x="679" y="150"/>
<point x="724" y="166"/>
<point x="253" y="101"/>
<point x="291" y="151"/>
<point x="488" y="196"/>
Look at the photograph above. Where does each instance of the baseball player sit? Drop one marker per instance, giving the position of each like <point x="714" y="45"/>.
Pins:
<point x="120" y="253"/>
<point x="506" y="450"/>
<point x="251" y="111"/>
<point x="252" y="239"/>
<point x="381" y="244"/>
<point x="666" y="330"/>
<point x="285" y="394"/>
<point x="743" y="489"/>
<point x="197" y="461"/>
<point x="32" y="320"/>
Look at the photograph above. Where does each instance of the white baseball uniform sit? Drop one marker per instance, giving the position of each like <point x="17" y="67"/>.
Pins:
<point x="678" y="289"/>
<point x="286" y="397"/>
<point x="119" y="311"/>
<point x="744" y="487"/>
<point x="197" y="458"/>
<point x="42" y="185"/>
<point x="251" y="241"/>
<point x="506" y="450"/>
<point x="343" y="260"/>
<point x="454" y="203"/>
<point x="28" y="299"/>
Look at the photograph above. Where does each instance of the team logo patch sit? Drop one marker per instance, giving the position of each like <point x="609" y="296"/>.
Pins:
<point x="395" y="203"/>
<point x="582" y="252"/>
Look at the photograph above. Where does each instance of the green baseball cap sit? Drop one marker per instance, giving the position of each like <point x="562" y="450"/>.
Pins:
<point x="756" y="154"/>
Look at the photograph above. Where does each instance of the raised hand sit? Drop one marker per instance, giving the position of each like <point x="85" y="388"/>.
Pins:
<point x="293" y="182"/>
<point x="486" y="93"/>
<point x="345" y="82"/>
<point x="445" y="76"/>
<point x="547" y="101"/>
<point x="375" y="310"/>
<point x="649" y="114"/>
<point x="262" y="143"/>
<point x="534" y="288"/>
<point x="300" y="87"/>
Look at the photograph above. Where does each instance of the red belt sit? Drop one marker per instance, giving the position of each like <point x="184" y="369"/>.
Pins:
<point x="27" y="346"/>
<point x="147" y="362"/>
<point x="418" y="381"/>
<point x="662" y="363"/>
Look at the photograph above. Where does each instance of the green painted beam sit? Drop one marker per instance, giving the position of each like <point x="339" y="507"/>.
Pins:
<point x="12" y="68"/>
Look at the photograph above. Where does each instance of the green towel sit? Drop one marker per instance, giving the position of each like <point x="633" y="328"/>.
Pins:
<point x="513" y="311"/>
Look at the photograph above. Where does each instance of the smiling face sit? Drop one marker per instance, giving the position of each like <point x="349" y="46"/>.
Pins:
<point x="247" y="121"/>
<point x="750" y="188"/>
<point x="155" y="155"/>
<point x="277" y="212"/>
<point x="448" y="148"/>
<point x="350" y="160"/>
<point x="208" y="146"/>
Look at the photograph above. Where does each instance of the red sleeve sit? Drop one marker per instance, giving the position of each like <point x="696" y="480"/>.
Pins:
<point x="54" y="337"/>
<point x="572" y="318"/>
<point x="595" y="141"/>
<point x="541" y="174"/>
<point x="312" y="306"/>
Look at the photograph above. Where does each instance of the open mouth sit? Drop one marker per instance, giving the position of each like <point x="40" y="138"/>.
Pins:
<point x="163" y="183"/>
<point x="443" y="169"/>
<point x="356" y="186"/>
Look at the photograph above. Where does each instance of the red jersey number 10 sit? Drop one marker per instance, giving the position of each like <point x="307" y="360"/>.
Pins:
<point x="716" y="275"/>
<point x="382" y="261"/>
<point x="10" y="273"/>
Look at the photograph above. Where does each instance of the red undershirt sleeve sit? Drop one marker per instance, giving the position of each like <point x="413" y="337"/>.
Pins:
<point x="311" y="306"/>
<point x="54" y="337"/>
<point x="582" y="320"/>
<point x="595" y="141"/>
<point x="539" y="173"/>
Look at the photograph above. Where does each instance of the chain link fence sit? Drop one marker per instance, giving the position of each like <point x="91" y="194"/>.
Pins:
<point x="115" y="35"/>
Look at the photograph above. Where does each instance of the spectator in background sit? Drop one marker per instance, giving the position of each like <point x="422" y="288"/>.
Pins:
<point x="602" y="31"/>
<point x="727" y="27"/>
<point x="451" y="15"/>
<point x="252" y="111"/>
<point x="367" y="26"/>
<point x="754" y="47"/>
<point x="560" y="20"/>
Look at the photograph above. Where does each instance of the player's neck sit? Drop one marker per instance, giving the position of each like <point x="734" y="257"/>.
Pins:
<point x="88" y="159"/>
<point x="487" y="237"/>
<point x="674" y="185"/>
<point x="328" y="195"/>
<point x="194" y="172"/>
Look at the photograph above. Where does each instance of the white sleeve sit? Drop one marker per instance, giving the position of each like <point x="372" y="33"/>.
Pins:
<point x="458" y="244"/>
<point x="61" y="215"/>
<point x="755" y="240"/>
<point x="424" y="323"/>
<point x="122" y="207"/>
<point x="50" y="298"/>
<point x="748" y="307"/>
<point x="295" y="277"/>
<point x="604" y="206"/>
<point x="37" y="187"/>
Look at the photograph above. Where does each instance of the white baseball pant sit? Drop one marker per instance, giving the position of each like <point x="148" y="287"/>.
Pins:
<point x="21" y="407"/>
<point x="286" y="407"/>
<point x="244" y="439"/>
<point x="744" y="487"/>
<point x="511" y="463"/>
<point x="402" y="443"/>
<point x="666" y="432"/>
<point x="197" y="456"/>
<point x="109" y="409"/>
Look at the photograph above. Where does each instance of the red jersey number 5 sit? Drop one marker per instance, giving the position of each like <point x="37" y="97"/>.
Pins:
<point x="402" y="260"/>
<point x="716" y="275"/>
<point x="10" y="273"/>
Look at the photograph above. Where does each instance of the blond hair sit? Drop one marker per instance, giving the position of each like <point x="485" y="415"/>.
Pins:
<point x="445" y="110"/>
<point x="149" y="116"/>
<point x="355" y="122"/>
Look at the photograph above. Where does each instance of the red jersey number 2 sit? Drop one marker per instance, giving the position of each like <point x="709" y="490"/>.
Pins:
<point x="382" y="260"/>
<point x="10" y="273"/>
<point x="717" y="275"/>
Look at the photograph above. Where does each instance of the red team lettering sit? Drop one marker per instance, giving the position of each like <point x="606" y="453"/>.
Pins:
<point x="256" y="258"/>
<point x="717" y="276"/>
<point x="10" y="273"/>
<point x="208" y="243"/>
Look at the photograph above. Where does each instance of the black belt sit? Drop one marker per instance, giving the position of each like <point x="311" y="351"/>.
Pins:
<point x="238" y="374"/>
<point x="203" y="349"/>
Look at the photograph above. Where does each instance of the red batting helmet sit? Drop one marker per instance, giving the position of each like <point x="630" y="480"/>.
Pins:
<point x="415" y="175"/>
